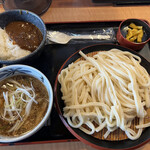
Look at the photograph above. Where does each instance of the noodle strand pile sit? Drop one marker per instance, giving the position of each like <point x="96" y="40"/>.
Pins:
<point x="108" y="91"/>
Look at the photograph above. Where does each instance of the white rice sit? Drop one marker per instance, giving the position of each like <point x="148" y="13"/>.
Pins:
<point x="8" y="50"/>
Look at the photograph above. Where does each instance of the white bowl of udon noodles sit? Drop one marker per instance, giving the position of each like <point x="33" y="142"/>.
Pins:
<point x="25" y="102"/>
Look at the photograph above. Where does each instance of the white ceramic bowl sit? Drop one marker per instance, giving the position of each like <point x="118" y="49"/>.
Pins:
<point x="12" y="70"/>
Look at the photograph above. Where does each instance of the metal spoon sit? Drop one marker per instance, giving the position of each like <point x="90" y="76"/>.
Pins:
<point x="62" y="38"/>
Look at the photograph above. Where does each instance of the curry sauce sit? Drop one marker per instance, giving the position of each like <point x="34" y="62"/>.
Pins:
<point x="24" y="34"/>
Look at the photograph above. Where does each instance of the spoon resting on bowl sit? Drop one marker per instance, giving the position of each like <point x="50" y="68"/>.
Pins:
<point x="62" y="38"/>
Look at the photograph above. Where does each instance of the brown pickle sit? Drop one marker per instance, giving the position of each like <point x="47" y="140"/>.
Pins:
<point x="24" y="34"/>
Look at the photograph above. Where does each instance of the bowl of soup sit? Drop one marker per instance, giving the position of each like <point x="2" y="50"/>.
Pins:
<point x="26" y="100"/>
<point x="22" y="36"/>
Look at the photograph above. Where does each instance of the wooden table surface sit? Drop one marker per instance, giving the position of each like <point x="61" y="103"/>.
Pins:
<point x="86" y="11"/>
<point x="65" y="11"/>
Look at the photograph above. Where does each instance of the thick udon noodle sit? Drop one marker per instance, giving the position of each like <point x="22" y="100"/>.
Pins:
<point x="107" y="90"/>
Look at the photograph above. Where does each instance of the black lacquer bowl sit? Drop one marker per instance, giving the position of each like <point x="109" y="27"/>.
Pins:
<point x="27" y="16"/>
<point x="85" y="138"/>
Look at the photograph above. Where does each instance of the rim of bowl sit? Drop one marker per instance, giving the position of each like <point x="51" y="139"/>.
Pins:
<point x="144" y="42"/>
<point x="39" y="47"/>
<point x="49" y="109"/>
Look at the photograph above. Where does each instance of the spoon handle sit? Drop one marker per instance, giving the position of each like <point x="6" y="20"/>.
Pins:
<point x="99" y="37"/>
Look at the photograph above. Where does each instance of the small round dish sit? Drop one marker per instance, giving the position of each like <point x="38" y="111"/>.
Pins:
<point x="27" y="16"/>
<point x="83" y="137"/>
<point x="12" y="70"/>
<point x="121" y="34"/>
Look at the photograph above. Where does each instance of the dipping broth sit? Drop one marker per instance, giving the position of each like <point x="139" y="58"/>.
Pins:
<point x="24" y="34"/>
<point x="23" y="104"/>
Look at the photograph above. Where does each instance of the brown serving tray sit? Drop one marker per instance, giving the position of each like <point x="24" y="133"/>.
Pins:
<point x="50" y="61"/>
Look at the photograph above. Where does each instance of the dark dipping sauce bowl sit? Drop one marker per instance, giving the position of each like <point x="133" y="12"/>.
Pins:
<point x="26" y="16"/>
<point x="121" y="34"/>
